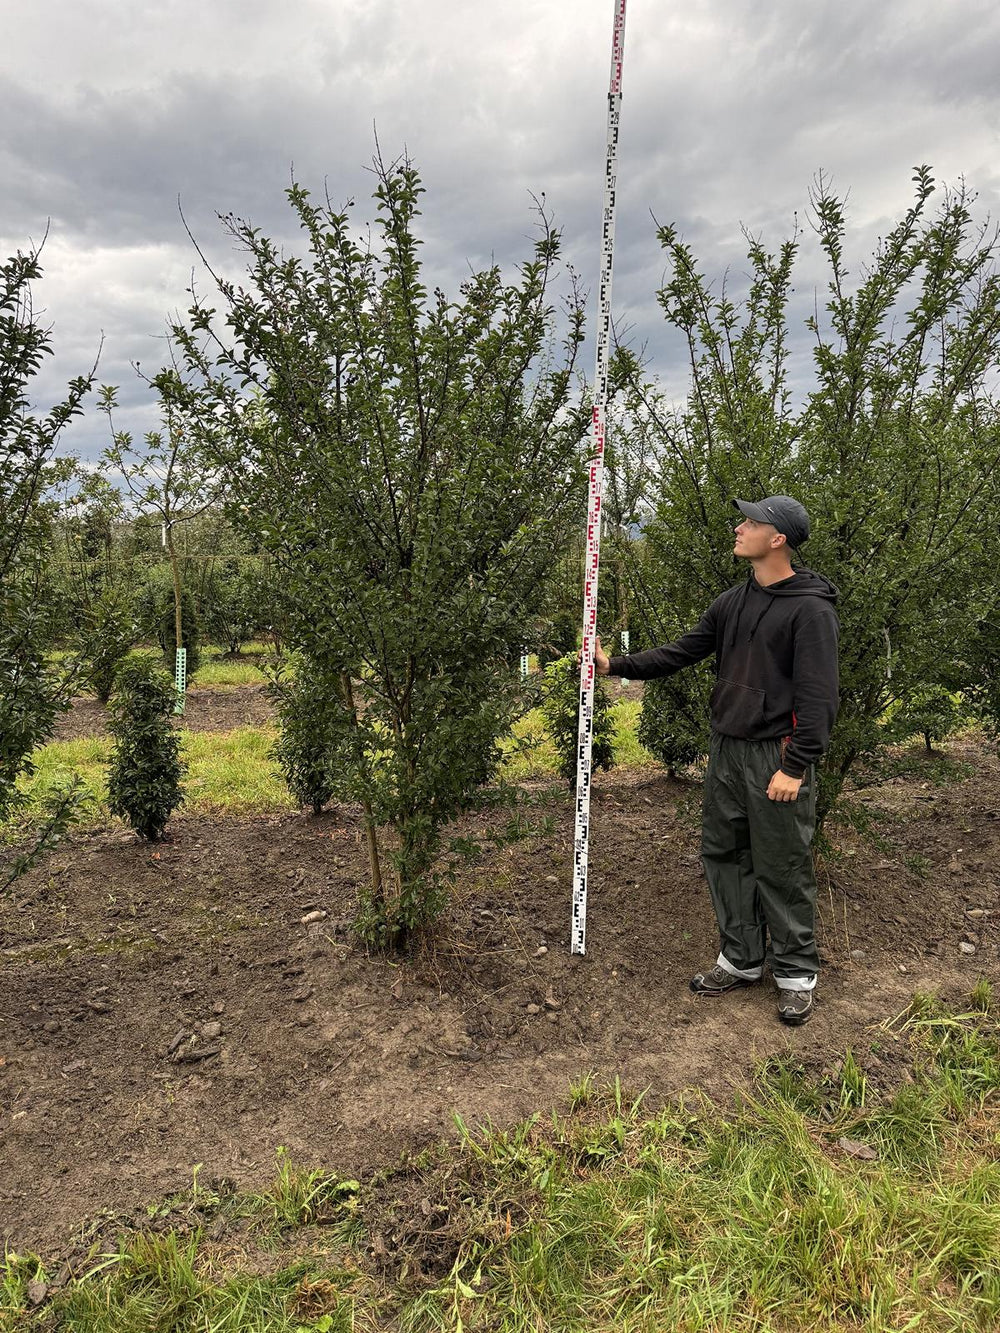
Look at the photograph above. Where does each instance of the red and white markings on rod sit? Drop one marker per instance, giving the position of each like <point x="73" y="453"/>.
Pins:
<point x="585" y="735"/>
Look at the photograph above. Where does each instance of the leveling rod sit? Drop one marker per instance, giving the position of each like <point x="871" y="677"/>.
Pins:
<point x="585" y="734"/>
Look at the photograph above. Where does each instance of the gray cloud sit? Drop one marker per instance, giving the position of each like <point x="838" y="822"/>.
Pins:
<point x="729" y="112"/>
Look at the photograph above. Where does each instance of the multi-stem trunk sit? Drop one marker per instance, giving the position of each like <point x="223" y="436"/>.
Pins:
<point x="371" y="834"/>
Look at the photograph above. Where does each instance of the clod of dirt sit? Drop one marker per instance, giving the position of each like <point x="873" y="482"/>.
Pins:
<point x="540" y="952"/>
<point x="196" y="1053"/>
<point x="855" y="1149"/>
<point x="211" y="1030"/>
<point x="37" y="1291"/>
<point x="965" y="947"/>
<point x="310" y="917"/>
<point x="303" y="993"/>
<point x="532" y="1008"/>
<point x="312" y="1300"/>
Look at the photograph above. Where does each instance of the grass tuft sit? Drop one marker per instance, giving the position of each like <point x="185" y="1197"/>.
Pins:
<point x="301" y="1197"/>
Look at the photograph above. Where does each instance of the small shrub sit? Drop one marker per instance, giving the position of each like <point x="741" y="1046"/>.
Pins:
<point x="110" y="634"/>
<point x="932" y="712"/>
<point x="383" y="919"/>
<point x="674" y="723"/>
<point x="155" y="615"/>
<point x="561" y="710"/>
<point x="145" y="771"/>
<point x="558" y="637"/>
<point x="233" y="606"/>
<point x="314" y="731"/>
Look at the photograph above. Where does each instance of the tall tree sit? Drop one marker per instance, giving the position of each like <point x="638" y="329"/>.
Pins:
<point x="167" y="478"/>
<point x="96" y="577"/>
<point x="894" y="447"/>
<point x="407" y="459"/>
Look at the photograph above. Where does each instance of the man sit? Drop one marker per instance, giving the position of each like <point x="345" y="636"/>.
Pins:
<point x="775" y="700"/>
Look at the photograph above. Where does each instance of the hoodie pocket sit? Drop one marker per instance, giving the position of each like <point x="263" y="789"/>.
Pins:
<point x="737" y="710"/>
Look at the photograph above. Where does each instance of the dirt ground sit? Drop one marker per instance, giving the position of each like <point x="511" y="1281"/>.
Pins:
<point x="164" y="1007"/>
<point x="218" y="709"/>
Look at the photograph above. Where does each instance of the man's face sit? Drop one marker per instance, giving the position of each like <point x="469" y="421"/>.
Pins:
<point x="755" y="540"/>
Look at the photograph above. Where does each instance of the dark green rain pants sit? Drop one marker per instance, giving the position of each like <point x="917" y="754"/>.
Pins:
<point x="758" y="860"/>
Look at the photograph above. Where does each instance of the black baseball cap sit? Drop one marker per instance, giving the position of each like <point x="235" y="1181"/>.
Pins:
<point x="782" y="512"/>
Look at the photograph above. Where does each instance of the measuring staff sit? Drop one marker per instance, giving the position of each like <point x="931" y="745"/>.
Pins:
<point x="585" y="733"/>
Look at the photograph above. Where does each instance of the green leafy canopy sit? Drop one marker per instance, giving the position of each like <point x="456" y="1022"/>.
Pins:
<point x="410" y="461"/>
<point x="893" y="445"/>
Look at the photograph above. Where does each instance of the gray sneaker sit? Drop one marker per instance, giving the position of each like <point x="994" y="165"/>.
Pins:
<point x="795" y="1007"/>
<point x="717" y="981"/>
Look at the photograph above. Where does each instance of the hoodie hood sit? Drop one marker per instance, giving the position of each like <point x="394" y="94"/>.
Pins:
<point x="802" y="583"/>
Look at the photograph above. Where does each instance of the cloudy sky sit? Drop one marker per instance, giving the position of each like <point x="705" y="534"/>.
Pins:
<point x="111" y="111"/>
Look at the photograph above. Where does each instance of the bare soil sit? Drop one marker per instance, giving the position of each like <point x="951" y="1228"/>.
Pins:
<point x="222" y="708"/>
<point x="165" y="1006"/>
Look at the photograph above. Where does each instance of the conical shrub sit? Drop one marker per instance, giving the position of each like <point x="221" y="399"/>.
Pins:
<point x="561" y="710"/>
<point x="145" y="771"/>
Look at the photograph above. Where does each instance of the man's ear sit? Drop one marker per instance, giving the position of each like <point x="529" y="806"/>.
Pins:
<point x="779" y="539"/>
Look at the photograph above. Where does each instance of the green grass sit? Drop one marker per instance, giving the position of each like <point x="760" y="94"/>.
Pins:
<point x="531" y="753"/>
<point x="614" y="1218"/>
<point x="60" y="760"/>
<point x="232" y="771"/>
<point x="220" y="672"/>
<point x="628" y="751"/>
<point x="216" y="670"/>
<point x="227" y="771"/>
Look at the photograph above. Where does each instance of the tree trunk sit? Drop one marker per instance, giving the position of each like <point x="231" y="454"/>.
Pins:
<point x="176" y="573"/>
<point x="371" y="835"/>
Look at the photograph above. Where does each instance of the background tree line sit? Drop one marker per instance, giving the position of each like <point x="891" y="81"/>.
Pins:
<point x="387" y="482"/>
<point x="119" y="587"/>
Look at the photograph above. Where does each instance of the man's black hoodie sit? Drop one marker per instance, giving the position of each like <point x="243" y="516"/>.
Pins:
<point x="775" y="663"/>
